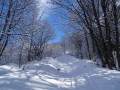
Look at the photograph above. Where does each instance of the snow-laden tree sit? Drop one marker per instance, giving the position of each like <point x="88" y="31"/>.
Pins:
<point x="11" y="12"/>
<point x="30" y="33"/>
<point x="100" y="19"/>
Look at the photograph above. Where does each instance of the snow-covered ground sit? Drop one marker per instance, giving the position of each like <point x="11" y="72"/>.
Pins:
<point x="61" y="73"/>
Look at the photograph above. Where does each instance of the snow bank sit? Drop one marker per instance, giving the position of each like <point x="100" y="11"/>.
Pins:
<point x="61" y="73"/>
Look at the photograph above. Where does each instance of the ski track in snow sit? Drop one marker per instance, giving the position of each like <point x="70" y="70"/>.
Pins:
<point x="61" y="73"/>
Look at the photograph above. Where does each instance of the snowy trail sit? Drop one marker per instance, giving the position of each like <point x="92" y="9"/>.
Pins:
<point x="61" y="73"/>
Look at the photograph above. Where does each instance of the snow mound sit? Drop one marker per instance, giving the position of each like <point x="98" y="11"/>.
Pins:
<point x="61" y="73"/>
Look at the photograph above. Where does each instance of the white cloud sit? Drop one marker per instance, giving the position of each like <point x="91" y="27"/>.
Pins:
<point x="43" y="6"/>
<point x="44" y="1"/>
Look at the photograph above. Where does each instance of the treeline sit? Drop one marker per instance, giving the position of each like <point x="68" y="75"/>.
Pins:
<point x="99" y="22"/>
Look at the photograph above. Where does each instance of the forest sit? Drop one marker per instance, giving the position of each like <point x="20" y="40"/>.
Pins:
<point x="59" y="44"/>
<point x="91" y="26"/>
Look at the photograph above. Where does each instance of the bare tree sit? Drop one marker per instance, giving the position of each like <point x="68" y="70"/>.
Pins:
<point x="97" y="16"/>
<point x="40" y="40"/>
<point x="11" y="12"/>
<point x="76" y="39"/>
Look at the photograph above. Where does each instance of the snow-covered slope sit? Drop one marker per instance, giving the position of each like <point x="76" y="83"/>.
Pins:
<point x="61" y="73"/>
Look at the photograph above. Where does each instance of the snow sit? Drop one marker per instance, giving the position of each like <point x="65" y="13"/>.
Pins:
<point x="60" y="73"/>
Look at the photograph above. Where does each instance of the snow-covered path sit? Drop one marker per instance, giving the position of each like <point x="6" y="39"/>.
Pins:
<point x="61" y="73"/>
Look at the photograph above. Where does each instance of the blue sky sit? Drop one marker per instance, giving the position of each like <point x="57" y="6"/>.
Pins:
<point x="57" y="27"/>
<point x="56" y="23"/>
